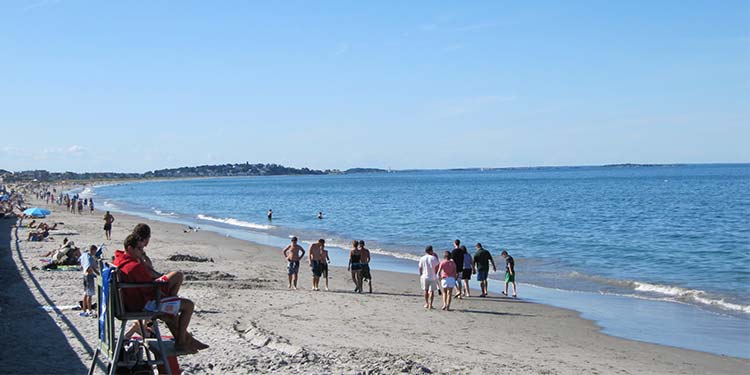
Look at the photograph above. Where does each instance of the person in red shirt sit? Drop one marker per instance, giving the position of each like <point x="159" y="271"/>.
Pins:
<point x="133" y="270"/>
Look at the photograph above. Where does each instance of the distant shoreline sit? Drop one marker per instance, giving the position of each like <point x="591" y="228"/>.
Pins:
<point x="6" y="176"/>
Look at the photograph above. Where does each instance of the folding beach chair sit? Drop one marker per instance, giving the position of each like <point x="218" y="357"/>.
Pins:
<point x="111" y="308"/>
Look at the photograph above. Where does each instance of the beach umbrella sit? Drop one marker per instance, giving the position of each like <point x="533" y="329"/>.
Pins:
<point x="36" y="212"/>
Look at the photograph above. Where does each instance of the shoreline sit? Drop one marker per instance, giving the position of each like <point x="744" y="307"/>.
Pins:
<point x="670" y="323"/>
<point x="243" y="296"/>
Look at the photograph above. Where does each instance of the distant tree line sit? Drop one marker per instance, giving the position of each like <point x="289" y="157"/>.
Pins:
<point x="221" y="170"/>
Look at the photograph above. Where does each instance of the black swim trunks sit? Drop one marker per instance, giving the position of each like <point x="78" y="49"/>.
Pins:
<point x="317" y="268"/>
<point x="366" y="272"/>
<point x="466" y="274"/>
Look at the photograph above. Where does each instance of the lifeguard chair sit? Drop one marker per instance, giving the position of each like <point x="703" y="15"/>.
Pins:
<point x="159" y="353"/>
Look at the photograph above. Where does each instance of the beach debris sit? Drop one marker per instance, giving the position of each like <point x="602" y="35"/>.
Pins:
<point x="189" y="258"/>
<point x="213" y="275"/>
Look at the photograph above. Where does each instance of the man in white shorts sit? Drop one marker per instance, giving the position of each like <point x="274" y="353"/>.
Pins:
<point x="428" y="265"/>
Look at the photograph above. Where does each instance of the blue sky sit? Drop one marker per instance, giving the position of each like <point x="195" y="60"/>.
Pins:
<point x="143" y="85"/>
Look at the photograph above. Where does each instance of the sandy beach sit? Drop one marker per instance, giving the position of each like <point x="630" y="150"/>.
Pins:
<point x="255" y="325"/>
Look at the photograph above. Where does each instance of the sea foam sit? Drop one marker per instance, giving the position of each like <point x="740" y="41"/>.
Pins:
<point x="236" y="222"/>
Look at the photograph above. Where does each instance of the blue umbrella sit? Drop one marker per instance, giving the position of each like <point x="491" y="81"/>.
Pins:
<point x="36" y="212"/>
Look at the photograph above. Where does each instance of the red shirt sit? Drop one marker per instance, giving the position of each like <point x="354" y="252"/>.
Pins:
<point x="133" y="271"/>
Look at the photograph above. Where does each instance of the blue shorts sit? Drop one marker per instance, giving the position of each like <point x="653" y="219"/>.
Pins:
<point x="89" y="284"/>
<point x="482" y="275"/>
<point x="293" y="267"/>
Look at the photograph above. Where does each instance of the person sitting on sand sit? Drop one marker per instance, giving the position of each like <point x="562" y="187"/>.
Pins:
<point x="32" y="224"/>
<point x="53" y="253"/>
<point x="428" y="265"/>
<point x="38" y="235"/>
<point x="510" y="272"/>
<point x="293" y="253"/>
<point x="316" y="259"/>
<point x="366" y="274"/>
<point x="67" y="256"/>
<point x="447" y="272"/>
<point x="482" y="260"/>
<point x="355" y="266"/>
<point x="133" y="270"/>
<point x="108" y="220"/>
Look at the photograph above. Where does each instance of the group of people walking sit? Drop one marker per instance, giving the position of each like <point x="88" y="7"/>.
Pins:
<point x="456" y="267"/>
<point x="446" y="277"/>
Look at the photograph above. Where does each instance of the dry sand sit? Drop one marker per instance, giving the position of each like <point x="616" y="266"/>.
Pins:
<point x="255" y="325"/>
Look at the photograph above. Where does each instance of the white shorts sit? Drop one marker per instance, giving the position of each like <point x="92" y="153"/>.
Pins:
<point x="428" y="284"/>
<point x="448" y="282"/>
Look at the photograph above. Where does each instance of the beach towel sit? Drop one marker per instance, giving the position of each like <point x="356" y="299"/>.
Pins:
<point x="103" y="297"/>
<point x="169" y="305"/>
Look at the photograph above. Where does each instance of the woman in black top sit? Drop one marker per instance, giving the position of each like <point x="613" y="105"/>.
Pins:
<point x="355" y="266"/>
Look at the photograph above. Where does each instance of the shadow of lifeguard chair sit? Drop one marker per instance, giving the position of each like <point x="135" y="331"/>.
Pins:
<point x="110" y="308"/>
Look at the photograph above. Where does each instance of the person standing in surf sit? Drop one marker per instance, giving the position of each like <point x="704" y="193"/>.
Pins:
<point x="510" y="272"/>
<point x="108" y="220"/>
<point x="482" y="260"/>
<point x="293" y="253"/>
<point x="270" y="214"/>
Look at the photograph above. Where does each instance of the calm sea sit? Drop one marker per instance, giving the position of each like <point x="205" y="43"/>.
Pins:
<point x="677" y="234"/>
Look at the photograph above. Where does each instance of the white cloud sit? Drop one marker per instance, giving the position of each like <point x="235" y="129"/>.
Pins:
<point x="76" y="149"/>
<point x="341" y="49"/>
<point x="39" y="4"/>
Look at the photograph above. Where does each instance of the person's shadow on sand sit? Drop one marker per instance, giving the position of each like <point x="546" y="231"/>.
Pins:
<point x="31" y="342"/>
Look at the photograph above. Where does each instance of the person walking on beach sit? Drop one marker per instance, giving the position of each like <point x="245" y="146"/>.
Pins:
<point x="510" y="272"/>
<point x="316" y="262"/>
<point x="366" y="275"/>
<point x="80" y="207"/>
<point x="467" y="271"/>
<point x="355" y="266"/>
<point x="324" y="266"/>
<point x="91" y="205"/>
<point x="482" y="260"/>
<point x="293" y="253"/>
<point x="108" y="220"/>
<point x="270" y="214"/>
<point x="428" y="266"/>
<point x="447" y="272"/>
<point x="458" y="258"/>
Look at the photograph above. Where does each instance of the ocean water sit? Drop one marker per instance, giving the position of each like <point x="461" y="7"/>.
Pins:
<point x="676" y="235"/>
